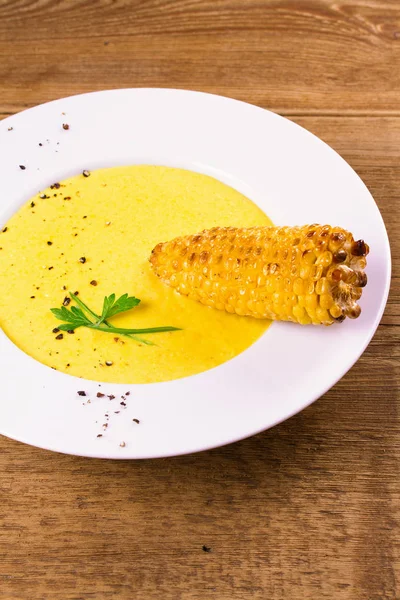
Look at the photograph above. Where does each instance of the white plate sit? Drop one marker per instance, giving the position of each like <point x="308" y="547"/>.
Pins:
<point x="292" y="175"/>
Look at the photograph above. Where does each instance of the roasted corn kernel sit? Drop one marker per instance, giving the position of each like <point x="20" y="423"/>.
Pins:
<point x="309" y="274"/>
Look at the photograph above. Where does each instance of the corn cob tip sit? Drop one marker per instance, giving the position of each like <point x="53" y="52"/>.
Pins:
<point x="309" y="274"/>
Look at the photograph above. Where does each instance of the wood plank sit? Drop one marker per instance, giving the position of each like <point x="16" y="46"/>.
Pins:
<point x="307" y="510"/>
<point x="364" y="142"/>
<point x="293" y="57"/>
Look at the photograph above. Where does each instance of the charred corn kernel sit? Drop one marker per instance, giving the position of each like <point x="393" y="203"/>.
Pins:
<point x="337" y="240"/>
<point x="309" y="257"/>
<point x="305" y="271"/>
<point x="322" y="315"/>
<point x="322" y="286"/>
<point x="309" y="287"/>
<point x="301" y="300"/>
<point x="261" y="281"/>
<point x="325" y="259"/>
<point x="298" y="313"/>
<point x="287" y="284"/>
<point x="298" y="286"/>
<point x="310" y="274"/>
<point x="336" y="311"/>
<point x="358" y="263"/>
<point x="325" y="301"/>
<point x="311" y="302"/>
<point x="316" y="272"/>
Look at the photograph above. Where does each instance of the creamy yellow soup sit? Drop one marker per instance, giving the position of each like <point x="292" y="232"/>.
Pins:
<point x="94" y="235"/>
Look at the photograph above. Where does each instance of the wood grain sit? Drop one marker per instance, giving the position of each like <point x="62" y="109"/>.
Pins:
<point x="306" y="56"/>
<point x="310" y="509"/>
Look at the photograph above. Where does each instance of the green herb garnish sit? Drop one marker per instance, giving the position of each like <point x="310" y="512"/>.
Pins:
<point x="78" y="316"/>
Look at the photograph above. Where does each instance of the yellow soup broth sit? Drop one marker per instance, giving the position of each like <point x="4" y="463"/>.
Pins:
<point x="94" y="235"/>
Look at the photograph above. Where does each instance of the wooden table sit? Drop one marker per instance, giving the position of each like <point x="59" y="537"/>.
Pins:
<point x="311" y="508"/>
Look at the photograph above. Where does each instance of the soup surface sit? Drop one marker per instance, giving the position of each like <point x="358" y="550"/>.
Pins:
<point x="94" y="234"/>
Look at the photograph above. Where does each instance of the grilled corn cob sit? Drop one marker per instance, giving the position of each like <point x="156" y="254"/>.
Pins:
<point x="309" y="274"/>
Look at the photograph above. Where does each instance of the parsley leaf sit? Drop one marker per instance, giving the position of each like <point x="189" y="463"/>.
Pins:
<point x="77" y="316"/>
<point x="112" y="307"/>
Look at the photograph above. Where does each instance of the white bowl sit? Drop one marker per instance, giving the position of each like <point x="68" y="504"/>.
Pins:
<point x="292" y="175"/>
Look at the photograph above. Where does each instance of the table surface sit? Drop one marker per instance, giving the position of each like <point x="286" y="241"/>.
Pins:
<point x="311" y="508"/>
